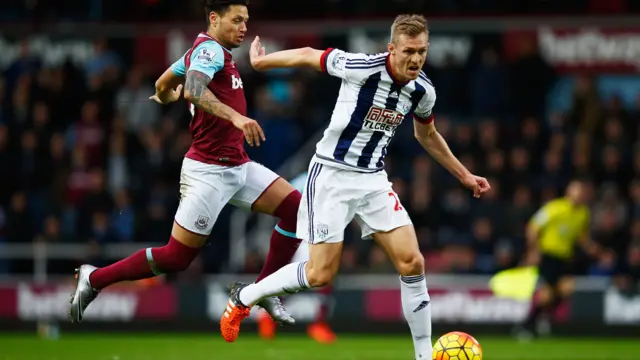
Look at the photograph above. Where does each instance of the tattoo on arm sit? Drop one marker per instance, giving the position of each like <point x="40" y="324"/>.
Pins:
<point x="197" y="90"/>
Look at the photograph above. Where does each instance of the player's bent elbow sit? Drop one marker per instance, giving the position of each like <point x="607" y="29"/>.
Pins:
<point x="421" y="134"/>
<point x="188" y="95"/>
<point x="418" y="136"/>
<point x="160" y="86"/>
<point x="310" y="57"/>
<point x="412" y="264"/>
<point x="307" y="52"/>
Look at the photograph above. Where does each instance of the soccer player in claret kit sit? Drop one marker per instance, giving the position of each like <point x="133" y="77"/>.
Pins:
<point x="216" y="169"/>
<point x="346" y="176"/>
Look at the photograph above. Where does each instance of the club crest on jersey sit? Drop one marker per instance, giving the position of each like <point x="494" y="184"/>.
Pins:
<point x="202" y="222"/>
<point x="322" y="231"/>
<point x="338" y="62"/>
<point x="380" y="119"/>
<point x="205" y="56"/>
<point x="405" y="106"/>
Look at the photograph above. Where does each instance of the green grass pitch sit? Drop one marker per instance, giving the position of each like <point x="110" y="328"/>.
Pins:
<point x="290" y="347"/>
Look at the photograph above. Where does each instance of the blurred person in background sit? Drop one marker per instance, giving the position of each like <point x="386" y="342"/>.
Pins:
<point x="552" y="235"/>
<point x="131" y="101"/>
<point x="216" y="169"/>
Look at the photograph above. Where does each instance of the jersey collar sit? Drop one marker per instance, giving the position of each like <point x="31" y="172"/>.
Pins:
<point x="390" y="72"/>
<point x="204" y="34"/>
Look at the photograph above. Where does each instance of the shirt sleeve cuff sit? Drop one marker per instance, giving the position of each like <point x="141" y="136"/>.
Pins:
<point x="324" y="58"/>
<point x="421" y="120"/>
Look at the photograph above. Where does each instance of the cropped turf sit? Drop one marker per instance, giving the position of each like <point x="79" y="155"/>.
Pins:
<point x="249" y="347"/>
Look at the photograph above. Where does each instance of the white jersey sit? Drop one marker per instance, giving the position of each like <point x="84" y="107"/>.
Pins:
<point x="369" y="108"/>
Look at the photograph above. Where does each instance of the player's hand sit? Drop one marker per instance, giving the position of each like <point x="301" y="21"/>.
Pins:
<point x="531" y="258"/>
<point x="252" y="131"/>
<point x="256" y="51"/>
<point x="477" y="184"/>
<point x="167" y="97"/>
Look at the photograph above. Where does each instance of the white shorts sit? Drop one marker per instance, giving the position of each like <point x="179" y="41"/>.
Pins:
<point x="206" y="188"/>
<point x="333" y="197"/>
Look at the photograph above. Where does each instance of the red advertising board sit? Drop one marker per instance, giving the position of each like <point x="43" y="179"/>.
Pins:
<point x="595" y="50"/>
<point x="450" y="306"/>
<point x="456" y="306"/>
<point x="120" y="303"/>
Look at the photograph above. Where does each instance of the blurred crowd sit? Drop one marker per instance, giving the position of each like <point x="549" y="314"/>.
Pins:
<point x="86" y="158"/>
<point x="155" y="10"/>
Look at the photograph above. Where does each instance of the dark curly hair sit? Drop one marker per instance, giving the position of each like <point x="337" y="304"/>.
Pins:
<point x="221" y="6"/>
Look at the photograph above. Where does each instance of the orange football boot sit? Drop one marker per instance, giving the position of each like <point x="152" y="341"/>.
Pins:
<point x="266" y="326"/>
<point x="321" y="332"/>
<point x="233" y="315"/>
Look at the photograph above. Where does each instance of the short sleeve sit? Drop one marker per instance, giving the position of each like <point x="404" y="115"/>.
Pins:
<point x="349" y="66"/>
<point x="543" y="216"/>
<point x="424" y="111"/>
<point x="207" y="58"/>
<point x="178" y="67"/>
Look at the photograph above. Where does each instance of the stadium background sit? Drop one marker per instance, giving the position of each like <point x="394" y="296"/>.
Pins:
<point x="89" y="167"/>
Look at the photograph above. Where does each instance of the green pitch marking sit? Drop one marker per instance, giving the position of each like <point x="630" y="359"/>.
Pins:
<point x="248" y="347"/>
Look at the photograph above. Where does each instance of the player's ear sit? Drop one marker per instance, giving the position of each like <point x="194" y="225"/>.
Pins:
<point x="213" y="18"/>
<point x="391" y="48"/>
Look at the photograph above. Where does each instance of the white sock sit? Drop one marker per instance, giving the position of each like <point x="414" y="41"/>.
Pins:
<point x="288" y="280"/>
<point x="416" y="306"/>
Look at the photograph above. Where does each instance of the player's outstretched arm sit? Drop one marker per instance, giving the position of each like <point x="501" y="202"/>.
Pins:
<point x="168" y="87"/>
<point x="437" y="147"/>
<point x="197" y="92"/>
<point x="302" y="57"/>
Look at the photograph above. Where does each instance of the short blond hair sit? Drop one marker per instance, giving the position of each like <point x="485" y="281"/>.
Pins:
<point x="411" y="25"/>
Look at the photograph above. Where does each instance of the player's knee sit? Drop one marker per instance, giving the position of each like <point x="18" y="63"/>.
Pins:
<point x="287" y="211"/>
<point x="174" y="257"/>
<point x="565" y="287"/>
<point x="411" y="264"/>
<point x="319" y="275"/>
<point x="545" y="294"/>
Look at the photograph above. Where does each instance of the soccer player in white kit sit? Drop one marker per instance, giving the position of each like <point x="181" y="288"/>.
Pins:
<point x="346" y="176"/>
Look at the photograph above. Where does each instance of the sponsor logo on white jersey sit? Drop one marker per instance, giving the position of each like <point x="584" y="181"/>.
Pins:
<point x="380" y="119"/>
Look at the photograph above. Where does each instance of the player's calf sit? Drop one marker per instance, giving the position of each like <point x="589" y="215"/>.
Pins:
<point x="288" y="280"/>
<point x="174" y="257"/>
<point x="283" y="243"/>
<point x="146" y="263"/>
<point x="320" y="274"/>
<point x="324" y="262"/>
<point x="401" y="244"/>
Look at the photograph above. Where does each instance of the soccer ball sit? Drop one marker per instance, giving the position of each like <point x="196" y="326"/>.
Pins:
<point x="457" y="345"/>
